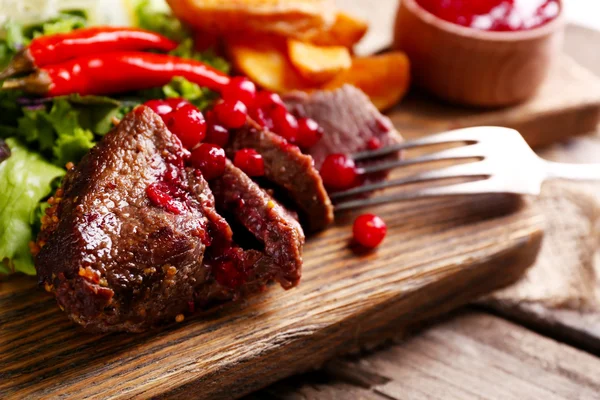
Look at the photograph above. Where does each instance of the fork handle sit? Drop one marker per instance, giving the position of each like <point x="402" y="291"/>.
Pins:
<point x="573" y="172"/>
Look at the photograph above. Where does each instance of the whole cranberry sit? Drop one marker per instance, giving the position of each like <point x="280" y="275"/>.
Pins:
<point x="187" y="122"/>
<point x="240" y="89"/>
<point x="268" y="102"/>
<point x="261" y="118"/>
<point x="249" y="161"/>
<point x="309" y="133"/>
<point x="369" y="230"/>
<point x="161" y="107"/>
<point x="232" y="114"/>
<point x="177" y="102"/>
<point x="339" y="172"/>
<point x="215" y="132"/>
<point x="285" y="125"/>
<point x="210" y="159"/>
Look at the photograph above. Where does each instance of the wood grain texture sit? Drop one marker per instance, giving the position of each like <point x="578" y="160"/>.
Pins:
<point x="472" y="356"/>
<point x="568" y="104"/>
<point x="439" y="254"/>
<point x="560" y="295"/>
<point x="568" y="240"/>
<point x="578" y="327"/>
<point x="243" y="347"/>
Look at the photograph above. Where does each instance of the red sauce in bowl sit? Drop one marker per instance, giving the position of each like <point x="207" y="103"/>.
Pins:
<point x="495" y="15"/>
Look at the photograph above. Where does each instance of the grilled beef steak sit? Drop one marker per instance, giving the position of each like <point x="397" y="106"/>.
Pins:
<point x="347" y="117"/>
<point x="134" y="238"/>
<point x="288" y="168"/>
<point x="283" y="239"/>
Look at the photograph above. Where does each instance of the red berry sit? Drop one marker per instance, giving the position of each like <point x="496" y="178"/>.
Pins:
<point x="215" y="133"/>
<point x="177" y="102"/>
<point x="260" y="118"/>
<point x="339" y="172"/>
<point x="249" y="161"/>
<point x="309" y="133"/>
<point x="161" y="107"/>
<point x="373" y="144"/>
<point x="240" y="89"/>
<point x="210" y="159"/>
<point x="266" y="105"/>
<point x="285" y="125"/>
<point x="232" y="114"/>
<point x="369" y="230"/>
<point x="188" y="124"/>
<point x="268" y="101"/>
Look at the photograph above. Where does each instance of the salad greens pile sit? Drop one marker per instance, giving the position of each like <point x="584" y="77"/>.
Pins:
<point x="45" y="134"/>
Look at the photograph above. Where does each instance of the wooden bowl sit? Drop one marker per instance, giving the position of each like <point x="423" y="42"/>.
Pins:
<point x="473" y="67"/>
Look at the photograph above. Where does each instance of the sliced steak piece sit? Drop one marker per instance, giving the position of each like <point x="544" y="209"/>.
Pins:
<point x="287" y="167"/>
<point x="137" y="240"/>
<point x="114" y="260"/>
<point x="347" y="117"/>
<point x="236" y="194"/>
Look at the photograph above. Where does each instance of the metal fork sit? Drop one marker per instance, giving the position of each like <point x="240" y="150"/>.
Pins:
<point x="504" y="163"/>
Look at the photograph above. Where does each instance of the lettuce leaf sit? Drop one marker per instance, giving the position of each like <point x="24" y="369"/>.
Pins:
<point x="26" y="179"/>
<point x="65" y="22"/>
<point x="45" y="134"/>
<point x="67" y="130"/>
<point x="153" y="18"/>
<point x="18" y="36"/>
<point x="186" y="50"/>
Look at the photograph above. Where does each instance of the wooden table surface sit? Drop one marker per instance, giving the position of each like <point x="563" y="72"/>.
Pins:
<point x="539" y="339"/>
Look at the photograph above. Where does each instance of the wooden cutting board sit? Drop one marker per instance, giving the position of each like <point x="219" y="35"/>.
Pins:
<point x="439" y="254"/>
<point x="568" y="104"/>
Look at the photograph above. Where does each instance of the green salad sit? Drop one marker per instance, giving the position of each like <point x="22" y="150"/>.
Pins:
<point x="46" y="134"/>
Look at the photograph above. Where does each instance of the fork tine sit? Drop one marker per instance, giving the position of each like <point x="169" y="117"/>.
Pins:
<point x="467" y="135"/>
<point x="469" y="151"/>
<point x="474" y="169"/>
<point x="469" y="188"/>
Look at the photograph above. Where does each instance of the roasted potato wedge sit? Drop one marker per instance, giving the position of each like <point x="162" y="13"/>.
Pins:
<point x="346" y="31"/>
<point x="290" y="18"/>
<point x="384" y="78"/>
<point x="265" y="61"/>
<point x="318" y="64"/>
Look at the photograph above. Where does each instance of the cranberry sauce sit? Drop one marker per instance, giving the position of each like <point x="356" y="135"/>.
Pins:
<point x="495" y="15"/>
<point x="229" y="264"/>
<point x="169" y="192"/>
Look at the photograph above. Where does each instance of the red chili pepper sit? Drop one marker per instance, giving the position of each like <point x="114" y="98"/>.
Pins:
<point x="61" y="47"/>
<point x="115" y="73"/>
